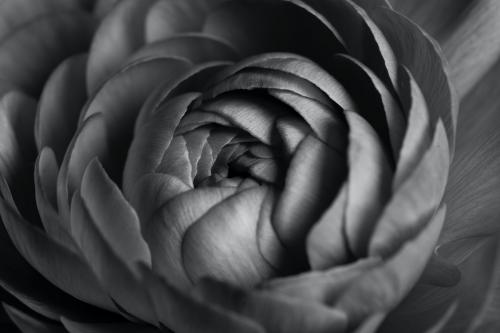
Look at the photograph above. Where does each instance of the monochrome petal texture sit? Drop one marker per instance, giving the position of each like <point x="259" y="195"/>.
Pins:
<point x="246" y="166"/>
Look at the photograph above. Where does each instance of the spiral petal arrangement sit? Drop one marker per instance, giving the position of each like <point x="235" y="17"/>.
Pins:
<point x="218" y="166"/>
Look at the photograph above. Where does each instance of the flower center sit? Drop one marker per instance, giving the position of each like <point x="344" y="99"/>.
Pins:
<point x="253" y="158"/>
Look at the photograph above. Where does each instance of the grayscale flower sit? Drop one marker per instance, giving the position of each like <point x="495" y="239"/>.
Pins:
<point x="248" y="166"/>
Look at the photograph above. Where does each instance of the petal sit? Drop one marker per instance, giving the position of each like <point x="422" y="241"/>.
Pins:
<point x="176" y="161"/>
<point x="321" y="286"/>
<point x="63" y="96"/>
<point x="252" y="113"/>
<point x="20" y="279"/>
<point x="59" y="265"/>
<point x="120" y="98"/>
<point x="103" y="7"/>
<point x="315" y="175"/>
<point x="222" y="243"/>
<point x="165" y="230"/>
<point x="277" y="30"/>
<point x="17" y="112"/>
<point x="195" y="80"/>
<point x="195" y="47"/>
<point x="367" y="185"/>
<point x="263" y="78"/>
<point x="326" y="243"/>
<point x="28" y="323"/>
<point x="362" y="37"/>
<point x="46" y="198"/>
<point x="473" y="196"/>
<point x="113" y="247"/>
<point x="114" y="218"/>
<point x="29" y="54"/>
<point x="118" y="36"/>
<point x="152" y="191"/>
<point x="375" y="102"/>
<point x="152" y="138"/>
<point x="417" y="137"/>
<point x="327" y="123"/>
<point x="125" y="327"/>
<point x="478" y="30"/>
<point x="474" y="298"/>
<point x="375" y="293"/>
<point x="415" y="201"/>
<point x="15" y="13"/>
<point x="300" y="67"/>
<point x="184" y="313"/>
<point x="17" y="149"/>
<point x="276" y="313"/>
<point x="90" y="141"/>
<point x="439" y="19"/>
<point x="167" y="18"/>
<point x="416" y="50"/>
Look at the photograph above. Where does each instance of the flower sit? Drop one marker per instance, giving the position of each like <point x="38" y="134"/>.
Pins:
<point x="229" y="166"/>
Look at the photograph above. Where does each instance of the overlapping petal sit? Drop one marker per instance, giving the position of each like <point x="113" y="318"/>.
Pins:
<point x="249" y="165"/>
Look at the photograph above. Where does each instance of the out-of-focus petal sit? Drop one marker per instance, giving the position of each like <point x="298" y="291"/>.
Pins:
<point x="63" y="267"/>
<point x="184" y="313"/>
<point x="195" y="47"/>
<point x="119" y="34"/>
<point x="121" y="96"/>
<point x="438" y="18"/>
<point x="479" y="29"/>
<point x="275" y="312"/>
<point x="28" y="323"/>
<point x="29" y="54"/>
<point x="474" y="299"/>
<point x="277" y="29"/>
<point x="21" y="280"/>
<point x="125" y="327"/>
<point x="462" y="27"/>
<point x="168" y="17"/>
<point x="61" y="101"/>
<point x="473" y="197"/>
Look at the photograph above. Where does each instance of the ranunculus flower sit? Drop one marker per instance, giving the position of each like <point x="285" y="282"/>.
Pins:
<point x="244" y="166"/>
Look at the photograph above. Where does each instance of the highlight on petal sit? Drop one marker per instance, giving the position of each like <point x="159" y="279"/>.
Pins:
<point x="164" y="231"/>
<point x="112" y="246"/>
<point x="415" y="200"/>
<point x="217" y="246"/>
